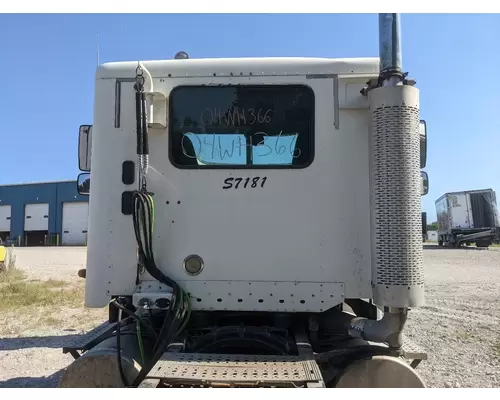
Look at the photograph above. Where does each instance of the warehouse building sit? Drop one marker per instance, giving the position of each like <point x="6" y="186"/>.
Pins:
<point x="45" y="213"/>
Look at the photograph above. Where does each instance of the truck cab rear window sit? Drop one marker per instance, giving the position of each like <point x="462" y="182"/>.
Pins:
<point x="242" y="126"/>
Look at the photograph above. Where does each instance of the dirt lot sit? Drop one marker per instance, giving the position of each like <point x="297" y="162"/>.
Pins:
<point x="459" y="327"/>
<point x="30" y="345"/>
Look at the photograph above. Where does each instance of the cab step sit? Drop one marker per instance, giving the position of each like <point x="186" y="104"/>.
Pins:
<point x="220" y="370"/>
<point x="88" y="340"/>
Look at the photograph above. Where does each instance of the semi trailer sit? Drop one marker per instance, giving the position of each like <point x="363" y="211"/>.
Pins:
<point x="242" y="223"/>
<point x="467" y="217"/>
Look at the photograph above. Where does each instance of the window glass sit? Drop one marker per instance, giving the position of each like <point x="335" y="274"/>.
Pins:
<point x="242" y="126"/>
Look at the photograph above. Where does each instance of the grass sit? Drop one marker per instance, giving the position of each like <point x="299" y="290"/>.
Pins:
<point x="26" y="304"/>
<point x="9" y="261"/>
<point x="30" y="306"/>
<point x="17" y="292"/>
<point x="12" y="275"/>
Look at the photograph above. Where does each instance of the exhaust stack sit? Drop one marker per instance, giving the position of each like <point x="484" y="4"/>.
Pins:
<point x="391" y="64"/>
<point x="398" y="276"/>
<point x="397" y="254"/>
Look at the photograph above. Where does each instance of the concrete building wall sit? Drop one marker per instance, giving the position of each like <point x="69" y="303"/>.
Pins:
<point x="53" y="193"/>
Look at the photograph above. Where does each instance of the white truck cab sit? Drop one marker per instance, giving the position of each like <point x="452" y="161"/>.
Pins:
<point x="254" y="206"/>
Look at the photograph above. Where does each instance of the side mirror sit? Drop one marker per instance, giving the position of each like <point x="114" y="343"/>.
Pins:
<point x="424" y="183"/>
<point x="84" y="147"/>
<point x="423" y="144"/>
<point x="83" y="184"/>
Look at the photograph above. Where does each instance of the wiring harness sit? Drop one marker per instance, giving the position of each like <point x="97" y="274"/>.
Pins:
<point x="178" y="312"/>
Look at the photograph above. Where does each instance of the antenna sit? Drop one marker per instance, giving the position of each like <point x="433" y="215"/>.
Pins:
<point x="97" y="48"/>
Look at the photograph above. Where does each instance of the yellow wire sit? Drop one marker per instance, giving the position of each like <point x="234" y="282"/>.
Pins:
<point x="152" y="212"/>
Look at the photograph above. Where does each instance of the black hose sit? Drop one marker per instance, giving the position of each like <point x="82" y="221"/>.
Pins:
<point x="178" y="311"/>
<point x="354" y="352"/>
<point x="119" y="350"/>
<point x="232" y="342"/>
<point x="143" y="219"/>
<point x="147" y="326"/>
<point x="260" y="340"/>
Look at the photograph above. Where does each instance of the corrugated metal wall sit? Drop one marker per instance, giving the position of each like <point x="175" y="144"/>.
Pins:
<point x="53" y="193"/>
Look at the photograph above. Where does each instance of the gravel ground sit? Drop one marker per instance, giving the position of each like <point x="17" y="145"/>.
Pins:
<point x="459" y="327"/>
<point x="31" y="356"/>
<point x="60" y="263"/>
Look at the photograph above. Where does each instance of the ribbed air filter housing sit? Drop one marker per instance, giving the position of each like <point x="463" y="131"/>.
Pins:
<point x="397" y="254"/>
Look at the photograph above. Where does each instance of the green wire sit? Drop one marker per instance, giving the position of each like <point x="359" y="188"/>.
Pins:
<point x="184" y="298"/>
<point x="185" y="311"/>
<point x="151" y="201"/>
<point x="139" y="340"/>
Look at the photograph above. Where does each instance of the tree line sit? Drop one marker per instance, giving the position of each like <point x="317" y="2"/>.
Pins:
<point x="433" y="226"/>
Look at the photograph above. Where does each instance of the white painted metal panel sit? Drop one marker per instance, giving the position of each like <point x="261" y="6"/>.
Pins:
<point x="36" y="217"/>
<point x="459" y="205"/>
<point x="5" y="218"/>
<point x="259" y="296"/>
<point x="226" y="67"/>
<point x="432" y="236"/>
<point x="75" y="217"/>
<point x="305" y="226"/>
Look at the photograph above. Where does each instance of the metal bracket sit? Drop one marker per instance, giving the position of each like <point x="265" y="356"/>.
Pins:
<point x="336" y="101"/>
<point x="374" y="83"/>
<point x="411" y="351"/>
<point x="305" y="350"/>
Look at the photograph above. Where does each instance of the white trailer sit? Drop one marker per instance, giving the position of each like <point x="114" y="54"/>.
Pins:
<point x="242" y="222"/>
<point x="467" y="217"/>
